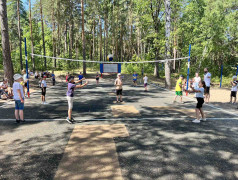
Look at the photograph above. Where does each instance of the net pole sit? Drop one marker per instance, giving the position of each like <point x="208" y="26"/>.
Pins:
<point x="221" y="75"/>
<point x="237" y="71"/>
<point x="188" y="66"/>
<point x="27" y="75"/>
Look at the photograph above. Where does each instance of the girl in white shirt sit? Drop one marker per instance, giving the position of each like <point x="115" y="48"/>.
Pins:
<point x="233" y="89"/>
<point x="199" y="93"/>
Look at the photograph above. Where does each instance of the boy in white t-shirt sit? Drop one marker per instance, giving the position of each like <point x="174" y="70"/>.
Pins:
<point x="196" y="80"/>
<point x="19" y="98"/>
<point x="207" y="80"/>
<point x="43" y="89"/>
<point x="234" y="84"/>
<point x="146" y="83"/>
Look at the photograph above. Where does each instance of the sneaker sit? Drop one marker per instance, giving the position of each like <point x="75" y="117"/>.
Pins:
<point x="203" y="119"/>
<point x="69" y="120"/>
<point x="17" y="121"/>
<point x="196" y="121"/>
<point x="42" y="103"/>
<point x="72" y="119"/>
<point x="22" y="121"/>
<point x="46" y="102"/>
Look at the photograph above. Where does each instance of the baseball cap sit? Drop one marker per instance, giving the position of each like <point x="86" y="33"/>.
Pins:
<point x="181" y="76"/>
<point x="17" y="76"/>
<point x="234" y="77"/>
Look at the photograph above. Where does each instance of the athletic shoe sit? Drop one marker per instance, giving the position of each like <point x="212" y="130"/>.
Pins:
<point x="121" y="101"/>
<point x="203" y="119"/>
<point x="69" y="120"/>
<point x="72" y="119"/>
<point x="46" y="102"/>
<point x="42" y="103"/>
<point x="22" y="121"/>
<point x="196" y="121"/>
<point x="17" y="121"/>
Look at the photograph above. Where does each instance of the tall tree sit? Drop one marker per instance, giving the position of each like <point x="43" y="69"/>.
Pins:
<point x="7" y="61"/>
<point x="83" y="38"/>
<point x="43" y="32"/>
<point x="167" y="44"/>
<point x="19" y="32"/>
<point x="32" y="40"/>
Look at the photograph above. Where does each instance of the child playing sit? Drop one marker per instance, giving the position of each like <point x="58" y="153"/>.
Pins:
<point x="53" y="78"/>
<point x="145" y="83"/>
<point x="234" y="89"/>
<point x="135" y="78"/>
<point x="43" y="90"/>
<point x="70" y="95"/>
<point x="80" y="78"/>
<point x="97" y="78"/>
<point x="19" y="98"/>
<point x="118" y="84"/>
<point x="199" y="93"/>
<point x="178" y="89"/>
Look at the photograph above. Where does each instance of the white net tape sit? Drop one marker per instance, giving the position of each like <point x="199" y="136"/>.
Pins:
<point x="133" y="62"/>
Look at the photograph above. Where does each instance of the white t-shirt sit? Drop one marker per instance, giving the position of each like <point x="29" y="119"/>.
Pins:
<point x="199" y="94"/>
<point x="234" y="88"/>
<point x="25" y="78"/>
<point x="145" y="79"/>
<point x="196" y="82"/>
<point x="44" y="83"/>
<point x="207" y="79"/>
<point x="16" y="86"/>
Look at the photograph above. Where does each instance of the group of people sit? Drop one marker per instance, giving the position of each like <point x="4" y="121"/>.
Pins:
<point x="200" y="88"/>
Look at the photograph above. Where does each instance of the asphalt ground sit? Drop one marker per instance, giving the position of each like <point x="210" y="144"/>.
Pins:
<point x="162" y="141"/>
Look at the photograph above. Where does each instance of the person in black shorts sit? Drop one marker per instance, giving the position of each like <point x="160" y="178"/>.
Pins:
<point x="43" y="90"/>
<point x="234" y="85"/>
<point x="118" y="84"/>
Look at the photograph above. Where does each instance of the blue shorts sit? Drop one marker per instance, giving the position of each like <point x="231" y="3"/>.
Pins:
<point x="19" y="105"/>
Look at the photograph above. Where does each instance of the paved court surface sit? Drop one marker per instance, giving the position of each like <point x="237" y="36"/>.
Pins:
<point x="146" y="137"/>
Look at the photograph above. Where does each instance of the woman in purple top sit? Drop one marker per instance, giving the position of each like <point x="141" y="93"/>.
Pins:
<point x="70" y="95"/>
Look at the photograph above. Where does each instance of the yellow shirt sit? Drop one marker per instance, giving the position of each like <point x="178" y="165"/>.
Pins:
<point x="179" y="85"/>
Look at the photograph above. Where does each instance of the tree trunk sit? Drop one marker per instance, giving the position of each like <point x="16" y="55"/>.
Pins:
<point x="53" y="36"/>
<point x="7" y="61"/>
<point x="43" y="33"/>
<point x="93" y="38"/>
<point x="167" y="45"/>
<point x="19" y="32"/>
<point x="32" y="41"/>
<point x="66" y="39"/>
<point x="83" y="39"/>
<point x="100" y="44"/>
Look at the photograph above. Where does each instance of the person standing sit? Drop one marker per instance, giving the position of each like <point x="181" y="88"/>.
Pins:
<point x="142" y="72"/>
<point x="70" y="95"/>
<point x="118" y="83"/>
<point x="196" y="80"/>
<point x="25" y="79"/>
<point x="179" y="89"/>
<point x="80" y="78"/>
<point x="53" y="78"/>
<point x="146" y="83"/>
<point x="19" y="98"/>
<point x="233" y="89"/>
<point x="43" y="90"/>
<point x="207" y="80"/>
<point x="135" y="78"/>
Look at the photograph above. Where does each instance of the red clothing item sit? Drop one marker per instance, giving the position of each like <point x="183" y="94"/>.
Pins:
<point x="66" y="78"/>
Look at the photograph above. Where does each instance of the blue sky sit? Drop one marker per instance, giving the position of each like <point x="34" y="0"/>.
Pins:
<point x="26" y="2"/>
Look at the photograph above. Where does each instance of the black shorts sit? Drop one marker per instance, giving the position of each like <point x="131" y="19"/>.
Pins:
<point x="25" y="84"/>
<point x="199" y="103"/>
<point x="43" y="91"/>
<point x="207" y="90"/>
<point x="233" y="93"/>
<point x="97" y="79"/>
<point x="119" y="92"/>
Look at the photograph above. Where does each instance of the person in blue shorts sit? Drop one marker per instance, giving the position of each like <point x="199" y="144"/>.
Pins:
<point x="18" y="93"/>
<point x="135" y="78"/>
<point x="80" y="78"/>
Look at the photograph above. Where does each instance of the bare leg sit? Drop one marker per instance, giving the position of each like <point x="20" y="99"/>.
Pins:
<point x="42" y="99"/>
<point x="21" y="114"/>
<point x="17" y="114"/>
<point x="202" y="113"/>
<point x="117" y="98"/>
<point x="181" y="99"/>
<point x="197" y="113"/>
<point x="208" y="98"/>
<point x="121" y="97"/>
<point x="231" y="99"/>
<point x="70" y="113"/>
<point x="175" y="98"/>
<point x="234" y="100"/>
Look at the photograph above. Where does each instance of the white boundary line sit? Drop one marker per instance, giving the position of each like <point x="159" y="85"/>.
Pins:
<point x="120" y="119"/>
<point x="228" y="112"/>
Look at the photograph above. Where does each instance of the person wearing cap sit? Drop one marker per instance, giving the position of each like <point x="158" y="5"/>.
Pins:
<point x="233" y="89"/>
<point x="43" y="90"/>
<point x="18" y="93"/>
<point x="70" y="95"/>
<point x="118" y="83"/>
<point x="178" y="89"/>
